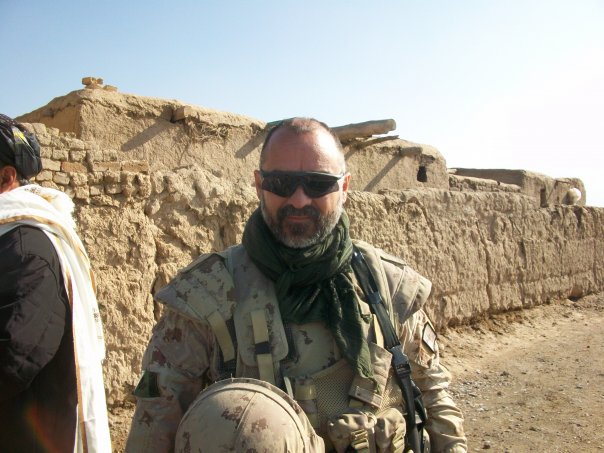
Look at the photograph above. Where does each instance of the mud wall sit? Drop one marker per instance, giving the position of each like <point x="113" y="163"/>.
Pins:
<point x="169" y="134"/>
<point x="549" y="191"/>
<point x="485" y="251"/>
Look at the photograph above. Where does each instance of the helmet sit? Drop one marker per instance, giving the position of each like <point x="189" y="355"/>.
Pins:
<point x="241" y="415"/>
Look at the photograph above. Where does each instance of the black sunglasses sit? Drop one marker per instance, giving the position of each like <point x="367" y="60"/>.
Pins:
<point x="315" y="184"/>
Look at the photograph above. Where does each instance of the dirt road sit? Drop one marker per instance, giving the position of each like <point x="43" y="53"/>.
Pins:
<point x="532" y="381"/>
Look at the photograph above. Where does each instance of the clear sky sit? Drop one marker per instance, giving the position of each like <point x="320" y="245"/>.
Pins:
<point x="513" y="84"/>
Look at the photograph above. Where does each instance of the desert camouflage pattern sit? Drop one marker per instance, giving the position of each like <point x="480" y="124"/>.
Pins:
<point x="245" y="415"/>
<point x="183" y="356"/>
<point x="366" y="431"/>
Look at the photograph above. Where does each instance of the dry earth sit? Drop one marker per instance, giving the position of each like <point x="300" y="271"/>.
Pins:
<point x="527" y="381"/>
<point x="532" y="380"/>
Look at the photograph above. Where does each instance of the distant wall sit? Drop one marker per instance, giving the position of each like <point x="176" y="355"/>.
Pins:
<point x="485" y="251"/>
<point x="548" y="191"/>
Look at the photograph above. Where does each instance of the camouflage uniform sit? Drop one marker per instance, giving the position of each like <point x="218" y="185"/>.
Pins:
<point x="187" y="352"/>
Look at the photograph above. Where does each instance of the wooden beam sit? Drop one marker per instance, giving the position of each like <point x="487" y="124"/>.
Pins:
<point x="365" y="129"/>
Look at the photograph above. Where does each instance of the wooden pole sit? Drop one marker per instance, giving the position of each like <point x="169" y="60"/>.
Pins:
<point x="357" y="130"/>
<point x="365" y="129"/>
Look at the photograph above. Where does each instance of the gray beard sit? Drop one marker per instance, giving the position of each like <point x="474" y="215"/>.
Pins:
<point x="299" y="236"/>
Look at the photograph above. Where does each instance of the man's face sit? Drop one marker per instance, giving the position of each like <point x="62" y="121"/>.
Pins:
<point x="298" y="220"/>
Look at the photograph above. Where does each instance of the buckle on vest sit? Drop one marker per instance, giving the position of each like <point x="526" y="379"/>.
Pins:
<point x="359" y="441"/>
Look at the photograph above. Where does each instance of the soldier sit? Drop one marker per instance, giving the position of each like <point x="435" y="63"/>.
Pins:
<point x="286" y="307"/>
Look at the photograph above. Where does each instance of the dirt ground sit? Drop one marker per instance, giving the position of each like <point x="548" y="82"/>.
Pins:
<point x="527" y="381"/>
<point x="533" y="380"/>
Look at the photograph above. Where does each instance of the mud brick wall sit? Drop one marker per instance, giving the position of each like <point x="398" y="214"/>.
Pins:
<point x="85" y="172"/>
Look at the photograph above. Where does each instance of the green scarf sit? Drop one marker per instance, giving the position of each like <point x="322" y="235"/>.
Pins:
<point x="313" y="284"/>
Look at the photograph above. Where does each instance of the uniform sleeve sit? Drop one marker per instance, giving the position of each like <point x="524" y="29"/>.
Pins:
<point x="445" y="420"/>
<point x="175" y="365"/>
<point x="33" y="310"/>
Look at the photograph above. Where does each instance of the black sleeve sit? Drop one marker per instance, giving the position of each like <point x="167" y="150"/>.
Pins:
<point x="33" y="307"/>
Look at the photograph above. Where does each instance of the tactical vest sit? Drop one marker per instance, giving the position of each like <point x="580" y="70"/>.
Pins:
<point x="228" y="292"/>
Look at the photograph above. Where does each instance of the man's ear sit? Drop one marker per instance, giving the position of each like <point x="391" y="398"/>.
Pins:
<point x="8" y="178"/>
<point x="258" y="183"/>
<point x="345" y="186"/>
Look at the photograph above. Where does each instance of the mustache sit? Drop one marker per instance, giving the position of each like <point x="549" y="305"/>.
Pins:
<point x="288" y="210"/>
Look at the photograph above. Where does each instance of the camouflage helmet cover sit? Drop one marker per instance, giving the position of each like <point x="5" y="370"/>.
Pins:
<point x="243" y="414"/>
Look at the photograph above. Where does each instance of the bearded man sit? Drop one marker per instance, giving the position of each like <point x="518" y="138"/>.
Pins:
<point x="289" y="307"/>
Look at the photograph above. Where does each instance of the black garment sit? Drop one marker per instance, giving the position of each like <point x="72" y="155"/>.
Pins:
<point x="38" y="396"/>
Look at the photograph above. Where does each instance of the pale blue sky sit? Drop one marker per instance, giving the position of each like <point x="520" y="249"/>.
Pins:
<point x="491" y="84"/>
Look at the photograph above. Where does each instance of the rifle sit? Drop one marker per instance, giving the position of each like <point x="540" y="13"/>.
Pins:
<point x="400" y="361"/>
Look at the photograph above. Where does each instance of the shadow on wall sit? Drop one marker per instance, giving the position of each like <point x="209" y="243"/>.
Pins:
<point x="383" y="172"/>
<point x="253" y="143"/>
<point x="145" y="136"/>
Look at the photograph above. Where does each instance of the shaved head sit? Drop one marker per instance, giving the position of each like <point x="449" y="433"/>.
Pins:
<point x="300" y="126"/>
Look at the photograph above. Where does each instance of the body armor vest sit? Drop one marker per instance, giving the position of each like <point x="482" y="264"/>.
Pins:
<point x="227" y="291"/>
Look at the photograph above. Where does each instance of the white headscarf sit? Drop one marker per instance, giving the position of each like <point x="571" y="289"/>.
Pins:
<point x="51" y="211"/>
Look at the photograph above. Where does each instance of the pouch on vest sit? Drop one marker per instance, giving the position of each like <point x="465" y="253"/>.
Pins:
<point x="366" y="432"/>
<point x="338" y="389"/>
<point x="261" y="338"/>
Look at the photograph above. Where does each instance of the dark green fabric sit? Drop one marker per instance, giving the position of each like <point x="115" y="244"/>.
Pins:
<point x="313" y="284"/>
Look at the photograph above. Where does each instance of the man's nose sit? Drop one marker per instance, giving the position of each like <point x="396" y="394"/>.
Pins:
<point x="299" y="199"/>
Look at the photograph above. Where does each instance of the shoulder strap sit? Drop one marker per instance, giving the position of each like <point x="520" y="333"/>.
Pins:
<point x="374" y="298"/>
<point x="400" y="361"/>
<point x="404" y="291"/>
